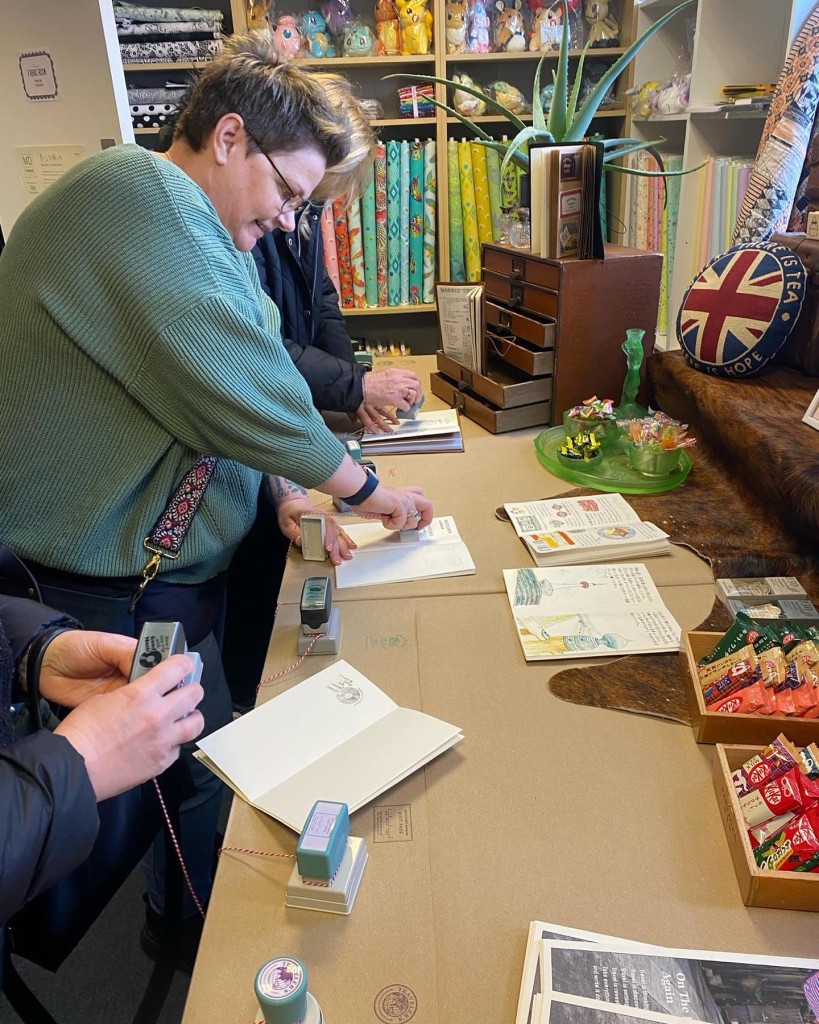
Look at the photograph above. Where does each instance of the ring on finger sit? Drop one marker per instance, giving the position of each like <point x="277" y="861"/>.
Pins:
<point x="414" y="514"/>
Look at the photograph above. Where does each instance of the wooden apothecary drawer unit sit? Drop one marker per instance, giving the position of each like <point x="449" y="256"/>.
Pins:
<point x="561" y="320"/>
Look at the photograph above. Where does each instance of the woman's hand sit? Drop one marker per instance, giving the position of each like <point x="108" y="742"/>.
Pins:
<point x="400" y="508"/>
<point x="338" y="545"/>
<point x="79" y="664"/>
<point x="383" y="388"/>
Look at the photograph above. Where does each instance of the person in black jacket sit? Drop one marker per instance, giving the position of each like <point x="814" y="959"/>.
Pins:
<point x="116" y="737"/>
<point x="292" y="272"/>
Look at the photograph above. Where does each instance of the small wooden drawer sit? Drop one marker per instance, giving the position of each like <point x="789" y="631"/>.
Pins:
<point x="496" y="421"/>
<point x="524" y="328"/>
<point x="520" y="265"/>
<point x="760" y="887"/>
<point x="501" y="385"/>
<point x="529" y="360"/>
<point x="520" y="294"/>
<point x="717" y="727"/>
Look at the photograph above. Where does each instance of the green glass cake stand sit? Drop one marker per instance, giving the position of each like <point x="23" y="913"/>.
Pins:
<point x="613" y="473"/>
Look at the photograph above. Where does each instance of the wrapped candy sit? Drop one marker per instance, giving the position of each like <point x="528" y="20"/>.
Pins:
<point x="593" y="408"/>
<point x="660" y="431"/>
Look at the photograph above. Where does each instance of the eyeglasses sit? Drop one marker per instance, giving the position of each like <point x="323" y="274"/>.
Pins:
<point x="294" y="202"/>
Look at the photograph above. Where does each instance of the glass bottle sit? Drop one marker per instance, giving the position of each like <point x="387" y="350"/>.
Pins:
<point x="505" y="225"/>
<point x="520" y="234"/>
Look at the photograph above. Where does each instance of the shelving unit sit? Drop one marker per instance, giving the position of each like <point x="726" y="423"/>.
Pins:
<point x="735" y="41"/>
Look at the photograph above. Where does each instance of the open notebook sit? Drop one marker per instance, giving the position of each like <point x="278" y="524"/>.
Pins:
<point x="383" y="557"/>
<point x="334" y="736"/>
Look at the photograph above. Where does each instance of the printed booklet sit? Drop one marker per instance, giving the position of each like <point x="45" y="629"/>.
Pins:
<point x="588" y="612"/>
<point x="592" y="528"/>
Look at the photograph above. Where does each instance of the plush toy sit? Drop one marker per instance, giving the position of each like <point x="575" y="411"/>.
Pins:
<point x="510" y="96"/>
<point x="288" y="41"/>
<point x="464" y="102"/>
<point x="477" y="36"/>
<point x="359" y="40"/>
<point x="547" y="94"/>
<point x="603" y="28"/>
<point x="416" y="26"/>
<point x="509" y="30"/>
<point x="317" y="38"/>
<point x="455" y="14"/>
<point x="672" y="98"/>
<point x="547" y="28"/>
<point x="338" y="14"/>
<point x="387" y="28"/>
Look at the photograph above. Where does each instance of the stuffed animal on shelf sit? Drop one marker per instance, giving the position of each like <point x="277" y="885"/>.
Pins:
<point x="359" y="40"/>
<point x="510" y="96"/>
<point x="465" y="103"/>
<point x="477" y="34"/>
<point x="603" y="28"/>
<point x="456" y="15"/>
<point x="416" y="26"/>
<point x="509" y="29"/>
<point x="288" y="41"/>
<point x="317" y="38"/>
<point x="387" y="28"/>
<point x="338" y="14"/>
<point x="547" y="28"/>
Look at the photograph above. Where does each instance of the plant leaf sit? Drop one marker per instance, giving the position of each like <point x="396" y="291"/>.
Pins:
<point x="557" y="122"/>
<point x="578" y="81"/>
<point x="654" y="174"/>
<point x="634" y="146"/>
<point x="538" y="117"/>
<point x="518" y="159"/>
<point x="528" y="133"/>
<point x="585" y="115"/>
<point x="493" y="104"/>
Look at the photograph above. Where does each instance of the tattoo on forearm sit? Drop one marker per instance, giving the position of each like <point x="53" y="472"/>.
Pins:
<point x="284" y="489"/>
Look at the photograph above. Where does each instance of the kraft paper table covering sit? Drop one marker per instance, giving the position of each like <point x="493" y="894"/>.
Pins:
<point x="368" y="228"/>
<point x="524" y="785"/>
<point x="345" y="269"/>
<point x="457" y="270"/>
<point x="328" y="241"/>
<point x="430" y="203"/>
<point x="482" y="205"/>
<point x="405" y="216"/>
<point x="381" y="255"/>
<point x="472" y="246"/>
<point x="416" y="231"/>
<point x="356" y="254"/>
<point x="493" y="172"/>
<point x="394" y="241"/>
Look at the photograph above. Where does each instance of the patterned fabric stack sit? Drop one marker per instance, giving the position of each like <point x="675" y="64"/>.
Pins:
<point x="384" y="244"/>
<point x="476" y="193"/>
<point x="159" y="35"/>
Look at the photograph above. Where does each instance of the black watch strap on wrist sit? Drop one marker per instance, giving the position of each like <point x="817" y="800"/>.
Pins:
<point x="365" y="490"/>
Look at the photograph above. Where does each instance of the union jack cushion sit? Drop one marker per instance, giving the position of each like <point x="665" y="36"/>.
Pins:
<point x="741" y="308"/>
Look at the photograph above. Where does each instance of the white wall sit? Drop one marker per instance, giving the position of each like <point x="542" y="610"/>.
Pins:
<point x="92" y="103"/>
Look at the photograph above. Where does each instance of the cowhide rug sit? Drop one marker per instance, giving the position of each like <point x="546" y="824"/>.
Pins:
<point x="725" y="523"/>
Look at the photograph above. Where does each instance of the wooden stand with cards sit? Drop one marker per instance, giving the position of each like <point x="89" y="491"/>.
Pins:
<point x="553" y="334"/>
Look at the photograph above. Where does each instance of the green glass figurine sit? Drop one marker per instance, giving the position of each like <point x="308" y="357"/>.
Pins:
<point x="628" y="409"/>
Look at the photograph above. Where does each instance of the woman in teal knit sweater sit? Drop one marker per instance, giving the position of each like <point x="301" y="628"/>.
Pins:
<point x="134" y="338"/>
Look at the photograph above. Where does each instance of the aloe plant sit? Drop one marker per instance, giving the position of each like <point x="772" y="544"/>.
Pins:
<point x="564" y="123"/>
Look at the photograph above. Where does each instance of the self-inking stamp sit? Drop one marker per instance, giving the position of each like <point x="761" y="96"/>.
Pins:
<point x="412" y="412"/>
<point x="329" y="862"/>
<point x="281" y="988"/>
<point x="318" y="618"/>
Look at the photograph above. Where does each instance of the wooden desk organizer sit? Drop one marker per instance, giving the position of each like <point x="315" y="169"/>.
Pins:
<point x="561" y="321"/>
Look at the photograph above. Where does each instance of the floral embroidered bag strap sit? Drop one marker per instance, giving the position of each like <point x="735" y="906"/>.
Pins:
<point x="169" y="531"/>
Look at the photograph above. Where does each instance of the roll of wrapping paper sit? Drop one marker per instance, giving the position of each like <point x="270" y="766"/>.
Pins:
<point x="472" y="247"/>
<point x="345" y="269"/>
<point x="430" y="202"/>
<point x="493" y="171"/>
<point x="368" y="232"/>
<point x="394" y="223"/>
<point x="481" y="178"/>
<point x="405" y="205"/>
<point x="381" y="222"/>
<point x="356" y="254"/>
<point x="457" y="271"/>
<point x="416" y="236"/>
<point x="328" y="239"/>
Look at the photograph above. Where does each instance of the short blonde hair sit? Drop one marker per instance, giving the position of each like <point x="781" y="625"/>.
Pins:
<point x="285" y="106"/>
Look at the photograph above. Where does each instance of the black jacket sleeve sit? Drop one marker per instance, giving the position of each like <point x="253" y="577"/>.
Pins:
<point x="48" y="817"/>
